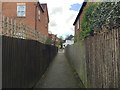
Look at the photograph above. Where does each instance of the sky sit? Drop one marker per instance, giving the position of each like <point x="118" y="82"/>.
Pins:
<point x="62" y="14"/>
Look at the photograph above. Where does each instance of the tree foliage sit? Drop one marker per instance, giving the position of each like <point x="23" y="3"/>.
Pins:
<point x="49" y="41"/>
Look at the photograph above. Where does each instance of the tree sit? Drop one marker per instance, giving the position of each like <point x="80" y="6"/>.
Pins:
<point x="49" y="41"/>
<point x="61" y="41"/>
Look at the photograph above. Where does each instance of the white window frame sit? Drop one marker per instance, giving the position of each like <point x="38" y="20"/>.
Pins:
<point x="21" y="8"/>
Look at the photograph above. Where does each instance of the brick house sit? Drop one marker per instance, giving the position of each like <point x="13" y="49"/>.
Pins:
<point x="33" y="14"/>
<point x="77" y="26"/>
<point x="53" y="38"/>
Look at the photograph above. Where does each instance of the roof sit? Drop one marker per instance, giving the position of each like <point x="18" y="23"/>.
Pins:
<point x="44" y="6"/>
<point x="40" y="6"/>
<point x="69" y="38"/>
<point x="52" y="35"/>
<point x="81" y="9"/>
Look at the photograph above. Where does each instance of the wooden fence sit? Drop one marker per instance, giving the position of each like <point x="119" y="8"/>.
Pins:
<point x="103" y="59"/>
<point x="24" y="61"/>
<point x="19" y="30"/>
<point x="25" y="56"/>
<point x="101" y="64"/>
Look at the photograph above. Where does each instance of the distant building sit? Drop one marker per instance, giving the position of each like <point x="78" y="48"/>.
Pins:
<point x="33" y="14"/>
<point x="53" y="38"/>
<point x="69" y="40"/>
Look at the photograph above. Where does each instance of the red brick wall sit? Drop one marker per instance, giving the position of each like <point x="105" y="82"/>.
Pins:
<point x="77" y="32"/>
<point x="42" y="24"/>
<point x="10" y="10"/>
<point x="75" y="28"/>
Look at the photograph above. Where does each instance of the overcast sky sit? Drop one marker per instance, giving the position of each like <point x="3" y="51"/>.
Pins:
<point x="62" y="14"/>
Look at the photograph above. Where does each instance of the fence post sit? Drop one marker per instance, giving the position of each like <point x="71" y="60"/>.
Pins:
<point x="26" y="34"/>
<point x="19" y="32"/>
<point x="15" y="28"/>
<point x="11" y="30"/>
<point x="8" y="27"/>
<point x="3" y="25"/>
<point x="23" y="31"/>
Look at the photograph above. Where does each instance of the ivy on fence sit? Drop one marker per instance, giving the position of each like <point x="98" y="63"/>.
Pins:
<point x="86" y="21"/>
<point x="99" y="16"/>
<point x="107" y="15"/>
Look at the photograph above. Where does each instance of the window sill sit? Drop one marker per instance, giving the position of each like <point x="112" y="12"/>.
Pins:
<point x="21" y="16"/>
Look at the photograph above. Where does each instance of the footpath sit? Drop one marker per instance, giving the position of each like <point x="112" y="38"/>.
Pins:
<point x="59" y="74"/>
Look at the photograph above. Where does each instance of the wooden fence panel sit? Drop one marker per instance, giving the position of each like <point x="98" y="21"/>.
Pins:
<point x="103" y="59"/>
<point x="24" y="61"/>
<point x="102" y="53"/>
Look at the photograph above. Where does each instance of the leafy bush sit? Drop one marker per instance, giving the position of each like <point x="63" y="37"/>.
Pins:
<point x="49" y="41"/>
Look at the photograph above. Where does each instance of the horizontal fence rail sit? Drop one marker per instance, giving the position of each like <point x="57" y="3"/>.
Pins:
<point x="19" y="30"/>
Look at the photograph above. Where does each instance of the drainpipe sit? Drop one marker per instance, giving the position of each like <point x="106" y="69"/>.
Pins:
<point x="36" y="20"/>
<point x="1" y="45"/>
<point x="36" y="16"/>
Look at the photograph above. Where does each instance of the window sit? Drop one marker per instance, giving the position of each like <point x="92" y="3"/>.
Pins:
<point x="39" y="14"/>
<point x="21" y="10"/>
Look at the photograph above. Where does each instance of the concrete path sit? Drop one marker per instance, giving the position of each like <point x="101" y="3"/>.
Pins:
<point x="59" y="74"/>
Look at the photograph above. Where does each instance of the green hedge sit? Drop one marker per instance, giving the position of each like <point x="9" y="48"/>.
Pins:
<point x="97" y="15"/>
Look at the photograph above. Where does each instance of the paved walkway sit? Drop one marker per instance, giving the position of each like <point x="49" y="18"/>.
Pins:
<point x="59" y="74"/>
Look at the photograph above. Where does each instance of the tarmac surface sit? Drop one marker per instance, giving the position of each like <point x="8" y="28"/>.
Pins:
<point x="59" y="74"/>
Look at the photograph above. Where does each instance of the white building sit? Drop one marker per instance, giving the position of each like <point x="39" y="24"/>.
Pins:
<point x="69" y="41"/>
